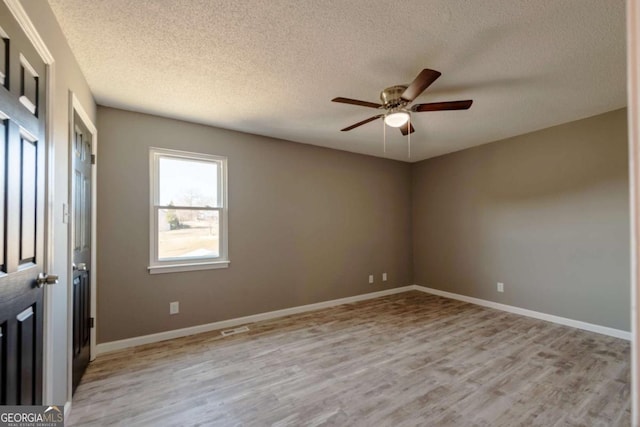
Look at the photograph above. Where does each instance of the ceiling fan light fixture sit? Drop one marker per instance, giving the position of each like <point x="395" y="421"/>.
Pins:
<point x="396" y="119"/>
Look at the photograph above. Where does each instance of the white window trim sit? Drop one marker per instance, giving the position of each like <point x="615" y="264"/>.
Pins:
<point x="178" y="265"/>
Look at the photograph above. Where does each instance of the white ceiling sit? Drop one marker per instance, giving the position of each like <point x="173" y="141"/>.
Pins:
<point x="271" y="67"/>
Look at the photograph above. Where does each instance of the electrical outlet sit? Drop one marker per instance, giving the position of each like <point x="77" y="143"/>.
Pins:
<point x="500" y="287"/>
<point x="174" y="307"/>
<point x="371" y="278"/>
<point x="384" y="277"/>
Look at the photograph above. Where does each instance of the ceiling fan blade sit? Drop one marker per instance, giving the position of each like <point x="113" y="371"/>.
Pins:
<point x="370" y="119"/>
<point x="406" y="129"/>
<point x="420" y="83"/>
<point x="440" y="106"/>
<point x="356" y="102"/>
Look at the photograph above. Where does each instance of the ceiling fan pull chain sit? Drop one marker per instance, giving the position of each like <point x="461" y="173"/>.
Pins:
<point x="409" y="136"/>
<point x="384" y="137"/>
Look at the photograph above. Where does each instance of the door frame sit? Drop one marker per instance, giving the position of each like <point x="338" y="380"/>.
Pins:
<point x="75" y="107"/>
<point x="633" y="111"/>
<point x="24" y="22"/>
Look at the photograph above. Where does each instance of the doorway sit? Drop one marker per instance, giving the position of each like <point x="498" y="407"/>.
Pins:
<point x="82" y="151"/>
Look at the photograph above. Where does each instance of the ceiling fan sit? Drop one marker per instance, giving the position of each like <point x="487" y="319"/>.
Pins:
<point x="396" y="102"/>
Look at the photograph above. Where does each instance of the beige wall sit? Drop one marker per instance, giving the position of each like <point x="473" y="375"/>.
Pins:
<point x="306" y="225"/>
<point x="547" y="213"/>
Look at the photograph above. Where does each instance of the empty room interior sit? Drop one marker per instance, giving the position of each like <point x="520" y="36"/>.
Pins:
<point x="305" y="213"/>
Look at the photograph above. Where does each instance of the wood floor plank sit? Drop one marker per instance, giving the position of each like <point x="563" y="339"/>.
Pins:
<point x="409" y="359"/>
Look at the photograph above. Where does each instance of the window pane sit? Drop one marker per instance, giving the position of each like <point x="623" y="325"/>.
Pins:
<point x="186" y="233"/>
<point x="185" y="182"/>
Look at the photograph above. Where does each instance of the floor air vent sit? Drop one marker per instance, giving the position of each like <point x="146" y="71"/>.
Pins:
<point x="235" y="331"/>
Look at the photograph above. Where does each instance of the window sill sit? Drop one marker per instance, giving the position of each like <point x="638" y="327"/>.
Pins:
<point x="177" y="268"/>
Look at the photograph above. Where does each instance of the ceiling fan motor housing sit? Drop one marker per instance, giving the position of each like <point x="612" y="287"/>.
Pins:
<point x="391" y="97"/>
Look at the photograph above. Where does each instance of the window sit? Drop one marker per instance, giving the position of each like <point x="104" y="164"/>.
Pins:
<point x="188" y="211"/>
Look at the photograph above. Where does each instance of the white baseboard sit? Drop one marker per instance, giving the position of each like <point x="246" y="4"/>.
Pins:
<point x="177" y="333"/>
<point x="605" y="330"/>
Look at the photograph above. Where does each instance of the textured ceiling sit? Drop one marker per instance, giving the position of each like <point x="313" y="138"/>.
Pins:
<point x="272" y="67"/>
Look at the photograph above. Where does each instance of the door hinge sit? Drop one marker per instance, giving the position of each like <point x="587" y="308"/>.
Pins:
<point x="92" y="322"/>
<point x="93" y="159"/>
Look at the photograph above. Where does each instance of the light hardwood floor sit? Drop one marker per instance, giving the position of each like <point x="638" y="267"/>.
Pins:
<point x="403" y="360"/>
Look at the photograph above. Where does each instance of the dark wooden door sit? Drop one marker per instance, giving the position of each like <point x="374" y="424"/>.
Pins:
<point x="81" y="203"/>
<point x="22" y="208"/>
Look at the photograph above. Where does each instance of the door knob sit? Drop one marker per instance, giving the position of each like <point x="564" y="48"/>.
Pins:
<point x="46" y="279"/>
